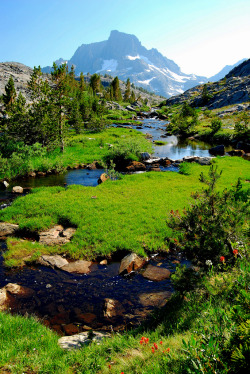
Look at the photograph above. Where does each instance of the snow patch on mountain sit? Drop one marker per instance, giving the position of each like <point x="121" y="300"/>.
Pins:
<point x="147" y="81"/>
<point x="109" y="65"/>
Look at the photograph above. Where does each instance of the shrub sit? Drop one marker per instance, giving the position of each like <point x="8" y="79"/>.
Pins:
<point x="211" y="229"/>
<point x="215" y="125"/>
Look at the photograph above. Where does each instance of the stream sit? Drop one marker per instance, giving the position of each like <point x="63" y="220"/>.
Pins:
<point x="69" y="303"/>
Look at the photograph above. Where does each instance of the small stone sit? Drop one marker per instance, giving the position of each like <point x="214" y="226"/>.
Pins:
<point x="79" y="267"/>
<point x="17" y="189"/>
<point x="131" y="262"/>
<point x="113" y="308"/>
<point x="104" y="262"/>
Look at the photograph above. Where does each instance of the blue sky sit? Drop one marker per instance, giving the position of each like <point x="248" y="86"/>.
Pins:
<point x="201" y="36"/>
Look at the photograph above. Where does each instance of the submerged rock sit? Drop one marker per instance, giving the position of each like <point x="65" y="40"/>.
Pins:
<point x="131" y="262"/>
<point x="156" y="273"/>
<point x="113" y="308"/>
<point x="156" y="299"/>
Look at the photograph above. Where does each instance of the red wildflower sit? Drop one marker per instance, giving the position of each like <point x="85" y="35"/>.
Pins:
<point x="141" y="341"/>
<point x="156" y="346"/>
<point x="168" y="349"/>
<point x="153" y="350"/>
<point x="235" y="252"/>
<point x="146" y="340"/>
<point x="161" y="342"/>
<point x="109" y="366"/>
<point x="222" y="259"/>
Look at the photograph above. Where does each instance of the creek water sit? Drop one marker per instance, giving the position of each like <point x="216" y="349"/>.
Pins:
<point x="62" y="297"/>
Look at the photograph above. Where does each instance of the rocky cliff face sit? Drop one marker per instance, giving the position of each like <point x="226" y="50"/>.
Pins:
<point x="21" y="75"/>
<point x="123" y="55"/>
<point x="233" y="89"/>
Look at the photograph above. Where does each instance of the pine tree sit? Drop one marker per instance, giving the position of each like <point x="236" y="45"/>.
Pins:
<point x="127" y="90"/>
<point x="116" y="89"/>
<point x="10" y="94"/>
<point x="95" y="83"/>
<point x="82" y="83"/>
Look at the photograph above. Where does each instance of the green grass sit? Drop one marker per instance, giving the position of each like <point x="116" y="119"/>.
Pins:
<point x="160" y="142"/>
<point x="80" y="149"/>
<point x="128" y="214"/>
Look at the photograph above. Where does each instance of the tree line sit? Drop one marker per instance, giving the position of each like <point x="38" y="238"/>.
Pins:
<point x="60" y="102"/>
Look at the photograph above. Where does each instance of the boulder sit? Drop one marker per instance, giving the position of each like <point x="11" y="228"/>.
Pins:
<point x="83" y="338"/>
<point x="17" y="189"/>
<point x="79" y="267"/>
<point x="219" y="150"/>
<point x="7" y="229"/>
<point x="55" y="261"/>
<point x="103" y="178"/>
<point x="113" y="308"/>
<point x="94" y="165"/>
<point x="135" y="166"/>
<point x="204" y="160"/>
<point x="85" y="317"/>
<point x="156" y="299"/>
<point x="41" y="174"/>
<point x="244" y="146"/>
<point x="131" y="262"/>
<point x="154" y="273"/>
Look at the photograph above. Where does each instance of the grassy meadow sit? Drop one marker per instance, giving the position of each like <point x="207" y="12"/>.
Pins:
<point x="123" y="215"/>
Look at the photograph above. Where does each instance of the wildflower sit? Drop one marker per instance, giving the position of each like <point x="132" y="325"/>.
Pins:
<point x="222" y="259"/>
<point x="153" y="350"/>
<point x="109" y="366"/>
<point x="141" y="342"/>
<point x="168" y="350"/>
<point x="156" y="346"/>
<point x="235" y="252"/>
<point x="161" y="342"/>
<point x="146" y="340"/>
<point x="209" y="263"/>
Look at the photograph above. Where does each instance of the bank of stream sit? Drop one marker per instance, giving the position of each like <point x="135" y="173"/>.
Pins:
<point x="69" y="302"/>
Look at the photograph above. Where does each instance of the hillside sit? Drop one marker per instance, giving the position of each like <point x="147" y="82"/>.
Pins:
<point x="233" y="89"/>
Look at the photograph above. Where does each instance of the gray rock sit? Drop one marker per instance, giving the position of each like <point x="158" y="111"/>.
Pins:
<point x="7" y="229"/>
<point x="78" y="267"/>
<point x="55" y="261"/>
<point x="83" y="338"/>
<point x="56" y="235"/>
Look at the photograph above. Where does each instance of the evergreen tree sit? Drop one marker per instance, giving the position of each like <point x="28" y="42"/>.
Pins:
<point x="95" y="83"/>
<point x="82" y="83"/>
<point x="59" y="100"/>
<point x="132" y="97"/>
<point x="127" y="90"/>
<point x="116" y="89"/>
<point x="10" y="94"/>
